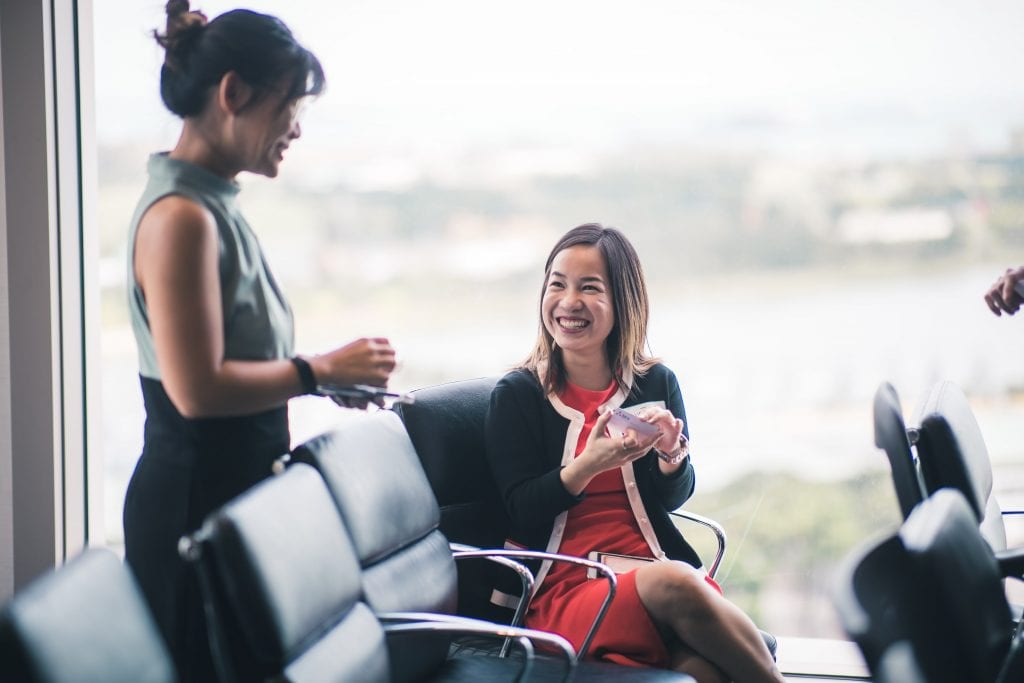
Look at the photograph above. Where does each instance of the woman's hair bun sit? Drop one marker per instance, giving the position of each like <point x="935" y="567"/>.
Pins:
<point x="183" y="28"/>
<point x="259" y="48"/>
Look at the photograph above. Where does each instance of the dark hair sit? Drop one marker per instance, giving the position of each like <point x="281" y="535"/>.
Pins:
<point x="625" y="344"/>
<point x="258" y="47"/>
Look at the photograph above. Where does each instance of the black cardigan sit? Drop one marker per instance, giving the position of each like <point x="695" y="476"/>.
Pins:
<point x="525" y="439"/>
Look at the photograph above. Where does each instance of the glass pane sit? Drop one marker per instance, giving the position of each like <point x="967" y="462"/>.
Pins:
<point x="820" y="194"/>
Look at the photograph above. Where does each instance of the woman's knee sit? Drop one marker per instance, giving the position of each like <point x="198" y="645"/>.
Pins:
<point x="670" y="588"/>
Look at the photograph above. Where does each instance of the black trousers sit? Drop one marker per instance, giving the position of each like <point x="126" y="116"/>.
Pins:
<point x="188" y="469"/>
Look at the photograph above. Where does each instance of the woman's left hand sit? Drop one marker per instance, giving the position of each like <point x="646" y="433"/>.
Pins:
<point x="671" y="427"/>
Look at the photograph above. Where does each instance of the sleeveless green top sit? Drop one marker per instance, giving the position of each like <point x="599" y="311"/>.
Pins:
<point x="258" y="323"/>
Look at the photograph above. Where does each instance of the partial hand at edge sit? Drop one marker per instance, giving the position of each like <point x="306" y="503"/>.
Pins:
<point x="1002" y="296"/>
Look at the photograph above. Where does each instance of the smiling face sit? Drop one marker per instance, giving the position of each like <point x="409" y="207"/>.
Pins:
<point x="577" y="307"/>
<point x="267" y="127"/>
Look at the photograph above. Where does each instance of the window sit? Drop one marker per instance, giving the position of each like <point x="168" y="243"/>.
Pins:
<point x="820" y="195"/>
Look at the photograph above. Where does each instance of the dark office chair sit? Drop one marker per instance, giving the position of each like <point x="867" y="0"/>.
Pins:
<point x="446" y="426"/>
<point x="891" y="436"/>
<point x="282" y="587"/>
<point x="284" y="591"/>
<point x="887" y="613"/>
<point x="389" y="508"/>
<point x="927" y="603"/>
<point x="952" y="453"/>
<point x="85" y="622"/>
<point x="951" y="556"/>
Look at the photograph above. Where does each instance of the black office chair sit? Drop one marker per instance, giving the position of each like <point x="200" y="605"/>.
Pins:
<point x="927" y="603"/>
<point x="282" y="587"/>
<point x="284" y="591"/>
<point x="389" y="508"/>
<point x="446" y="426"/>
<point x="954" y="559"/>
<point x="85" y="622"/>
<point x="887" y="613"/>
<point x="891" y="436"/>
<point x="952" y="453"/>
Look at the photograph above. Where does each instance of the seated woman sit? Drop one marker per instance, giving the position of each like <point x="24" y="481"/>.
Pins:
<point x="572" y="487"/>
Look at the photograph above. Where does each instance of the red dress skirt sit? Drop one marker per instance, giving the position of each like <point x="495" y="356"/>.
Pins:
<point x="567" y="600"/>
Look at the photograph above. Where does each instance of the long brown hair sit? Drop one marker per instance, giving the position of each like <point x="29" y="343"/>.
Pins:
<point x="626" y="343"/>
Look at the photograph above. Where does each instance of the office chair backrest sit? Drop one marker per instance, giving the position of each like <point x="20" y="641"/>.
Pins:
<point x="391" y="514"/>
<point x="952" y="454"/>
<point x="943" y="541"/>
<point x="891" y="436"/>
<point x="86" y="622"/>
<point x="283" y="572"/>
<point x="891" y="615"/>
<point x="446" y="426"/>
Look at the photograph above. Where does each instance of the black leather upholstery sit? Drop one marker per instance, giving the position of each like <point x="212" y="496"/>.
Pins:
<point x="446" y="426"/>
<point x="927" y="603"/>
<point x="386" y="503"/>
<point x="953" y="454"/>
<point x="286" y="575"/>
<point x="943" y="540"/>
<point x="86" y="622"/>
<point x="891" y="436"/>
<point x="889" y="614"/>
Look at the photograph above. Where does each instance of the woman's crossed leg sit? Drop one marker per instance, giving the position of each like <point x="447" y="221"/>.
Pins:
<point x="718" y="641"/>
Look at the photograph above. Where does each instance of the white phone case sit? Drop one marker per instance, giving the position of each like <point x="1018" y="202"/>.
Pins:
<point x="620" y="564"/>
<point x="621" y="420"/>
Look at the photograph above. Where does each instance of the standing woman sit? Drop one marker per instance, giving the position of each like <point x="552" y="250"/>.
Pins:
<point x="213" y="330"/>
<point x="571" y="487"/>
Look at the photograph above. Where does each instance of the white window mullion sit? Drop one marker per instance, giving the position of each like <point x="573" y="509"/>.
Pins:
<point x="42" y="446"/>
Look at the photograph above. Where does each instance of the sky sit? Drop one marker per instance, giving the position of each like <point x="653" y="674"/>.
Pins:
<point x="905" y="74"/>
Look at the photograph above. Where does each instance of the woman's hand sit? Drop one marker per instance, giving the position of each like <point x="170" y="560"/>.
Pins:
<point x="602" y="453"/>
<point x="364" y="361"/>
<point x="670" y="426"/>
<point x="1002" y="296"/>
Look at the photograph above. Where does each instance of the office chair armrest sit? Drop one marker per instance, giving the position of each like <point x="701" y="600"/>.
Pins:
<point x="1011" y="562"/>
<point x="461" y="551"/>
<point x="715" y="528"/>
<point x="601" y="568"/>
<point x="412" y="622"/>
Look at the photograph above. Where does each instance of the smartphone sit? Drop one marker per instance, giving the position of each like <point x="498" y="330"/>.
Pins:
<point x="621" y="420"/>
<point x="364" y="391"/>
<point x="620" y="564"/>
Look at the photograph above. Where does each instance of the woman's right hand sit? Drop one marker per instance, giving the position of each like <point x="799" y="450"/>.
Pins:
<point x="363" y="361"/>
<point x="1002" y="296"/>
<point x="602" y="453"/>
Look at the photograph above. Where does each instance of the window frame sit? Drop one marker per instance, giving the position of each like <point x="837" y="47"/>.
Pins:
<point x="48" y="311"/>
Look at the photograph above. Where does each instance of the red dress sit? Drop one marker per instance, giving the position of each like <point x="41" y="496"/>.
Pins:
<point x="567" y="600"/>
